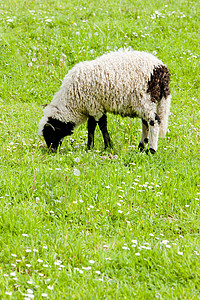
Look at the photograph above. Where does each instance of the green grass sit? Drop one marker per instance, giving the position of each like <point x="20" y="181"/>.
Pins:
<point x="64" y="236"/>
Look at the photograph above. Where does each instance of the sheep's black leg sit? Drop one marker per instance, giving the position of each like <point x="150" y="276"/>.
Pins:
<point x="91" y="129"/>
<point x="103" y="127"/>
<point x="145" y="136"/>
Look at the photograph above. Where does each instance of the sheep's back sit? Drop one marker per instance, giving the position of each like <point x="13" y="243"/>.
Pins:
<point x="114" y="82"/>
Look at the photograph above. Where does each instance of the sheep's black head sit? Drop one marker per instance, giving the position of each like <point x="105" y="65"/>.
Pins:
<point x="54" y="131"/>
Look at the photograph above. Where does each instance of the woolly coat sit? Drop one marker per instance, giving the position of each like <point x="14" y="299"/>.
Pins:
<point x="116" y="82"/>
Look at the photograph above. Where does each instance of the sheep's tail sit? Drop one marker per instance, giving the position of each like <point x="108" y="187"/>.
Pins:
<point x="163" y="109"/>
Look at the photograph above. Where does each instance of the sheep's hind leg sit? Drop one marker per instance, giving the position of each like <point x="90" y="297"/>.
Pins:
<point x="103" y="127"/>
<point x="143" y="145"/>
<point x="153" y="135"/>
<point x="91" y="129"/>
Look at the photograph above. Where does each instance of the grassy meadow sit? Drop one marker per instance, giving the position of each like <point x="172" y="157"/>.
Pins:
<point x="80" y="224"/>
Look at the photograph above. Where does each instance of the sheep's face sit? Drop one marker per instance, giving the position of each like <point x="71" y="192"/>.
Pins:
<point x="54" y="131"/>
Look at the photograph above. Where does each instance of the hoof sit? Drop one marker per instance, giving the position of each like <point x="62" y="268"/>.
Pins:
<point x="152" y="150"/>
<point x="141" y="147"/>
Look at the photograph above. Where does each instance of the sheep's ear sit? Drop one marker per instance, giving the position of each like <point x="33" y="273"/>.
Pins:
<point x="49" y="125"/>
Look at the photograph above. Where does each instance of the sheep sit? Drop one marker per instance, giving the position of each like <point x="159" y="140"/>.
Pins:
<point x="124" y="82"/>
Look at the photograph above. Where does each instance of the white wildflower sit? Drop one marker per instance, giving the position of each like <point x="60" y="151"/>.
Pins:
<point x="165" y="242"/>
<point x="86" y="268"/>
<point x="125" y="248"/>
<point x="134" y="241"/>
<point x="57" y="262"/>
<point x="77" y="172"/>
<point x="50" y="287"/>
<point x="91" y="261"/>
<point x="77" y="159"/>
<point x="61" y="266"/>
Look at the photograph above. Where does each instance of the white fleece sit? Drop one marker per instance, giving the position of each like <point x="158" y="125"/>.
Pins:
<point x="116" y="82"/>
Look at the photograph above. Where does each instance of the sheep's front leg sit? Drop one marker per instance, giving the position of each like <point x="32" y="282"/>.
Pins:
<point x="91" y="129"/>
<point x="153" y="135"/>
<point x="103" y="127"/>
<point x="145" y="136"/>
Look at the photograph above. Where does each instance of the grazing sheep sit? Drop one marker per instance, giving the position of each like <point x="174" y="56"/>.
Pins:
<point x="125" y="82"/>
